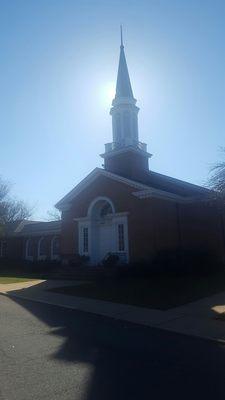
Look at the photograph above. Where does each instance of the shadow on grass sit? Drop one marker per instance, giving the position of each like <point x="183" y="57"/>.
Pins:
<point x="158" y="292"/>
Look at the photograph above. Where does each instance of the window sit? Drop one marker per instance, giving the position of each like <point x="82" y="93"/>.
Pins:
<point x="55" y="247"/>
<point x="85" y="240"/>
<point x="3" y="248"/>
<point x="42" y="247"/>
<point x="121" y="244"/>
<point x="29" y="249"/>
<point x="105" y="210"/>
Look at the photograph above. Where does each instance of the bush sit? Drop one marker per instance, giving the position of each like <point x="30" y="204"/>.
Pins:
<point x="78" y="260"/>
<point x="111" y="260"/>
<point x="174" y="261"/>
<point x="188" y="261"/>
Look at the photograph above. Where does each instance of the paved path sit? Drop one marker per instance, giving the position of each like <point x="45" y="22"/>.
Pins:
<point x="198" y="319"/>
<point x="54" y="353"/>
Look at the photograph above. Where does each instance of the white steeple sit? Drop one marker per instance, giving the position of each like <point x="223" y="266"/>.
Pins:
<point x="124" y="111"/>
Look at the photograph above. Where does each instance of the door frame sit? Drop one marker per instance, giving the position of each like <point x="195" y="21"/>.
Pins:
<point x="93" y="236"/>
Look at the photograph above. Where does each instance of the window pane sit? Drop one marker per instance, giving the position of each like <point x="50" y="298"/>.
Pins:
<point x="85" y="240"/>
<point x="43" y="247"/>
<point x="3" y="248"/>
<point x="55" y="246"/>
<point x="30" y="248"/>
<point x="121" y="244"/>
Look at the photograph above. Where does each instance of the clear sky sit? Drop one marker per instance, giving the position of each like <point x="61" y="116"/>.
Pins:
<point x="58" y="66"/>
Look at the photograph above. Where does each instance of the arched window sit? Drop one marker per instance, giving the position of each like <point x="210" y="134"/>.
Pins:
<point x="42" y="249"/>
<point x="100" y="207"/>
<point x="55" y="248"/>
<point x="29" y="250"/>
<point x="105" y="210"/>
<point x="3" y="248"/>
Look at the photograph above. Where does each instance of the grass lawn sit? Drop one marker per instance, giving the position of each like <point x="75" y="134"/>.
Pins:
<point x="13" y="279"/>
<point x="156" y="292"/>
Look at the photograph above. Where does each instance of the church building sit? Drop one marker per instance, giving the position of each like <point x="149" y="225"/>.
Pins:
<point x="124" y="208"/>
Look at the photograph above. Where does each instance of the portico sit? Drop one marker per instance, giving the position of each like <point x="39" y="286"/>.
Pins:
<point x="103" y="231"/>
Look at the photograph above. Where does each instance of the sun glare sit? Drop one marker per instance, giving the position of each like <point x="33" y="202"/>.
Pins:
<point x="108" y="92"/>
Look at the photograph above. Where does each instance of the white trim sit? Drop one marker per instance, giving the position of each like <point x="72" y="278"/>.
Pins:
<point x="96" y="200"/>
<point x="81" y="226"/>
<point x="124" y="221"/>
<point x="64" y="202"/>
<point x="87" y="222"/>
<point x="114" y="152"/>
<point x="161" y="194"/>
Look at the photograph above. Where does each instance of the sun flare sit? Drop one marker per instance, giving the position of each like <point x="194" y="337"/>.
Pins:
<point x="108" y="92"/>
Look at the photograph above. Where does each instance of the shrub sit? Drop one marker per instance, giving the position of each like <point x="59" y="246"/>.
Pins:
<point x="78" y="260"/>
<point x="183" y="261"/>
<point x="111" y="260"/>
<point x="196" y="261"/>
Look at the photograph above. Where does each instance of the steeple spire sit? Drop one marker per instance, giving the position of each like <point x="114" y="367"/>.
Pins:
<point x="123" y="85"/>
<point x="125" y="155"/>
<point x="121" y="36"/>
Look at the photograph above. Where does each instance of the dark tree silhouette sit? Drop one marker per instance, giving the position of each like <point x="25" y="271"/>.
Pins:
<point x="217" y="178"/>
<point x="11" y="209"/>
<point x="53" y="215"/>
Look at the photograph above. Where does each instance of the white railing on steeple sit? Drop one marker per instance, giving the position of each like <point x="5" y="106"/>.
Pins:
<point x="119" y="145"/>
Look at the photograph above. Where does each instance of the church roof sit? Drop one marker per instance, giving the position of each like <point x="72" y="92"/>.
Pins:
<point x="163" y="185"/>
<point x="173" y="185"/>
<point x="27" y="228"/>
<point x="41" y="228"/>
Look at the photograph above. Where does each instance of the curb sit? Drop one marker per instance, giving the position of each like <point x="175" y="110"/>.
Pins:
<point x="119" y="318"/>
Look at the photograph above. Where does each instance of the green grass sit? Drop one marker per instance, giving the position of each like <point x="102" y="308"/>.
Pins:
<point x="13" y="279"/>
<point x="156" y="292"/>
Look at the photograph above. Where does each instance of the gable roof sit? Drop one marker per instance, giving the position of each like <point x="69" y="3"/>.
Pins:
<point x="64" y="202"/>
<point x="145" y="184"/>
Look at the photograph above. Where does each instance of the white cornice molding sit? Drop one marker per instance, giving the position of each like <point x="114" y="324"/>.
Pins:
<point x="161" y="194"/>
<point x="65" y="202"/>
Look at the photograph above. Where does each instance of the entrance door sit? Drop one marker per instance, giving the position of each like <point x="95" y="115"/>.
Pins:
<point x="106" y="244"/>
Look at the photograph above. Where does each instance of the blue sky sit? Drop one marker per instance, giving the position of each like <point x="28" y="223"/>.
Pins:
<point x="58" y="59"/>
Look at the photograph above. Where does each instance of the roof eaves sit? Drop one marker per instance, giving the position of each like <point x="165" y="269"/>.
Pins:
<point x="64" y="203"/>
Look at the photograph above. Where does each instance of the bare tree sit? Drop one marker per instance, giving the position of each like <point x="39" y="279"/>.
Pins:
<point x="11" y="209"/>
<point x="54" y="215"/>
<point x="217" y="178"/>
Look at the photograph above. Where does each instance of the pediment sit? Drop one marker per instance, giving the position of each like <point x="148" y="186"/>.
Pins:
<point x="65" y="202"/>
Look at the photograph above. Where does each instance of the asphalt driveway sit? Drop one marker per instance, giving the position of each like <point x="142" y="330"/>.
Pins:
<point x="49" y="352"/>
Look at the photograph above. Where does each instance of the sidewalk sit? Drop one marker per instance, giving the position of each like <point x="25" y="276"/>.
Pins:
<point x="196" y="319"/>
